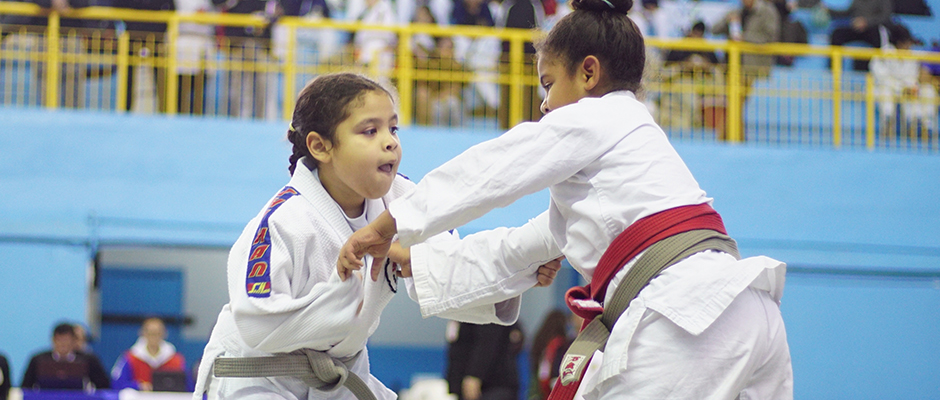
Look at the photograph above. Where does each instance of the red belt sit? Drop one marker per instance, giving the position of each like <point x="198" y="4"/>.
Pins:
<point x="636" y="238"/>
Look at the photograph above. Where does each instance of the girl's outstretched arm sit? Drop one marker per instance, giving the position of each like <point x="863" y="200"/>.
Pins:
<point x="374" y="239"/>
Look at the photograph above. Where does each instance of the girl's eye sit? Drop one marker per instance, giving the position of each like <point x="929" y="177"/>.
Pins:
<point x="394" y="130"/>
<point x="547" y="86"/>
<point x="370" y="131"/>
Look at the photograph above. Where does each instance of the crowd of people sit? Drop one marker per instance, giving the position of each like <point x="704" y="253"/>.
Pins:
<point x="254" y="91"/>
<point x="150" y="364"/>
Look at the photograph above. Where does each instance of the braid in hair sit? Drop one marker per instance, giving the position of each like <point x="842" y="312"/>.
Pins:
<point x="300" y="148"/>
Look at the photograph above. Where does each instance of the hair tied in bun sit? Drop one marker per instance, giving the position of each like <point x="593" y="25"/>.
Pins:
<point x="611" y="5"/>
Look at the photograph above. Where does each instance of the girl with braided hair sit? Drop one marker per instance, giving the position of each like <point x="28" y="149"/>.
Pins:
<point x="284" y="292"/>
<point x="699" y="324"/>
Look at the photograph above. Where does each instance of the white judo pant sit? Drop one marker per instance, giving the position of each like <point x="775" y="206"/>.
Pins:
<point x="742" y="355"/>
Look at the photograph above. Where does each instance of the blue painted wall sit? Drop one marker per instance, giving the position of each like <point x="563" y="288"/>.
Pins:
<point x="860" y="230"/>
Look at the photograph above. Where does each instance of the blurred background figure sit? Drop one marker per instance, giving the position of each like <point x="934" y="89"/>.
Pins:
<point x="480" y="55"/>
<point x="520" y="14"/>
<point x="905" y="85"/>
<point x="548" y="348"/>
<point x="698" y="70"/>
<point x="867" y="21"/>
<point x="4" y="377"/>
<point x="439" y="102"/>
<point x="64" y="368"/>
<point x="150" y="356"/>
<point x="195" y="48"/>
<point x="482" y="360"/>
<point x="251" y="92"/>
<point x="81" y="339"/>
<point x="375" y="49"/>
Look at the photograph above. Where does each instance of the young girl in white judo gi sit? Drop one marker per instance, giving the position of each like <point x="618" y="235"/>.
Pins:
<point x="284" y="293"/>
<point x="709" y="326"/>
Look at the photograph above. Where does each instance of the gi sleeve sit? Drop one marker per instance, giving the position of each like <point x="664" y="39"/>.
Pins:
<point x="479" y="278"/>
<point x="528" y="158"/>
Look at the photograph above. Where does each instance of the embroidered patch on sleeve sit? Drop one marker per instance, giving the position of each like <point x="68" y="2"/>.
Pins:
<point x="258" y="281"/>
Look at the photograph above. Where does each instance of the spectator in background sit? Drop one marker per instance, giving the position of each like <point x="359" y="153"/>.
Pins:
<point x="757" y="21"/>
<point x="480" y="55"/>
<point x="25" y="34"/>
<point x="374" y="48"/>
<point x="251" y="92"/>
<point x="481" y="360"/>
<point x="195" y="46"/>
<point x="423" y="44"/>
<point x="63" y="367"/>
<point x="135" y="368"/>
<point x="867" y="17"/>
<point x="439" y="102"/>
<point x="146" y="82"/>
<point x="81" y="339"/>
<point x="520" y="14"/>
<point x="548" y="348"/>
<point x="314" y="45"/>
<point x="4" y="378"/>
<point x="696" y="73"/>
<point x="903" y="83"/>
<point x="791" y="30"/>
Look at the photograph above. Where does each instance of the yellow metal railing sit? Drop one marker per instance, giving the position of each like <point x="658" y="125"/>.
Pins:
<point x="829" y="108"/>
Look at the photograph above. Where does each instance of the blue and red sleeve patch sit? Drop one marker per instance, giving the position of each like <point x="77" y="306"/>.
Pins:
<point x="258" y="280"/>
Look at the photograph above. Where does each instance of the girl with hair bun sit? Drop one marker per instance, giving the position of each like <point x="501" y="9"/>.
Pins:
<point x="707" y="326"/>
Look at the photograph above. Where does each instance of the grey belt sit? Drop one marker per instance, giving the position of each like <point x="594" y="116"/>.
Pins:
<point x="655" y="259"/>
<point x="316" y="368"/>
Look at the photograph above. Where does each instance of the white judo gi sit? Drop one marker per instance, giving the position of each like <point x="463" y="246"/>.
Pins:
<point x="708" y="327"/>
<point x="285" y="294"/>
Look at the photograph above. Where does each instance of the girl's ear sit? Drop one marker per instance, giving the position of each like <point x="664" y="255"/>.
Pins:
<point x="319" y="147"/>
<point x="589" y="73"/>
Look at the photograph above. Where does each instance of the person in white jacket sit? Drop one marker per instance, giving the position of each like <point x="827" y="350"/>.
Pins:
<point x="708" y="327"/>
<point x="284" y="292"/>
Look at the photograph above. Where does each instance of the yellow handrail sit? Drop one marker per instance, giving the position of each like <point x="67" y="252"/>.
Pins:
<point x="515" y="79"/>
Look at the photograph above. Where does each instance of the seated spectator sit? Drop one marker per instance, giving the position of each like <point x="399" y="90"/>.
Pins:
<point x="696" y="102"/>
<point x="63" y="367"/>
<point x="4" y="378"/>
<point x="151" y="353"/>
<point x="903" y="84"/>
<point x="866" y="19"/>
<point x="691" y="58"/>
<point x="438" y="102"/>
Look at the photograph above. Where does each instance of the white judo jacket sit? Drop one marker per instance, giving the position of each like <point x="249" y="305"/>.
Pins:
<point x="285" y="293"/>
<point x="607" y="164"/>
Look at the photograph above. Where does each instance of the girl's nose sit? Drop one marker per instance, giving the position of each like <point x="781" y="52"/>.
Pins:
<point x="392" y="142"/>
<point x="544" y="106"/>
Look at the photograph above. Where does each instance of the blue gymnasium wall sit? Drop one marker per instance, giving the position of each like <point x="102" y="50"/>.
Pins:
<point x="860" y="231"/>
